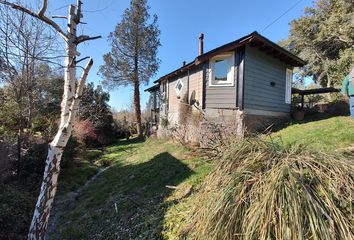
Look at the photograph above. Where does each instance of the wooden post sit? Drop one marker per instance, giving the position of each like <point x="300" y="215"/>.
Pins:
<point x="302" y="101"/>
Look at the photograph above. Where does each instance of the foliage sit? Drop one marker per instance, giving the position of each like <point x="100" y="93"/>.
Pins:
<point x="261" y="190"/>
<point x="33" y="162"/>
<point x="324" y="37"/>
<point x="84" y="131"/>
<point x="15" y="212"/>
<point x="133" y="57"/>
<point x="94" y="110"/>
<point x="32" y="166"/>
<point x="134" y="39"/>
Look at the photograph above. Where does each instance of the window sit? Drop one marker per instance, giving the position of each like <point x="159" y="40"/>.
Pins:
<point x="289" y="78"/>
<point x="179" y="87"/>
<point x="222" y="70"/>
<point x="164" y="86"/>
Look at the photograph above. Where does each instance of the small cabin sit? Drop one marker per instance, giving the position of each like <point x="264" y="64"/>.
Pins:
<point x="244" y="85"/>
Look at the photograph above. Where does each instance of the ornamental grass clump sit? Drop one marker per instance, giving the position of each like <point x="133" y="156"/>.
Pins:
<point x="261" y="190"/>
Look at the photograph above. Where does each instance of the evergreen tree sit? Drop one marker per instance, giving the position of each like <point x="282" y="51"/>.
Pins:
<point x="324" y="37"/>
<point x="133" y="57"/>
<point x="94" y="108"/>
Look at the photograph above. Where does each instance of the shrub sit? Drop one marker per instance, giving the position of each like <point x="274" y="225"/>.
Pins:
<point x="15" y="212"/>
<point x="32" y="165"/>
<point x="260" y="190"/>
<point x="84" y="131"/>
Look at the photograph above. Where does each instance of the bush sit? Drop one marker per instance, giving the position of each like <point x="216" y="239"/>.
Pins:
<point x="260" y="190"/>
<point x="33" y="162"/>
<point x="84" y="131"/>
<point x="32" y="165"/>
<point x="15" y="212"/>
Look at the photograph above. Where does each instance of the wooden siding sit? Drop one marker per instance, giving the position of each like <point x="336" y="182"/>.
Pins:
<point x="173" y="100"/>
<point x="219" y="96"/>
<point x="260" y="70"/>
<point x="196" y="84"/>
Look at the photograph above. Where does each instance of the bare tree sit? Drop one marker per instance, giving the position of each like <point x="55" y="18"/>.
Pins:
<point x="70" y="102"/>
<point x="24" y="41"/>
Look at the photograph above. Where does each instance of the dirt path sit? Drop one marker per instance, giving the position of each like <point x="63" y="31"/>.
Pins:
<point x="64" y="204"/>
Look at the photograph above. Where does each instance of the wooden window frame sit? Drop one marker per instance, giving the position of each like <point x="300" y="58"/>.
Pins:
<point x="230" y="57"/>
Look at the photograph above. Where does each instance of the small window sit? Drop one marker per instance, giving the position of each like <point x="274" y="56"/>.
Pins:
<point x="179" y="87"/>
<point x="222" y="70"/>
<point x="164" y="87"/>
<point x="288" y="86"/>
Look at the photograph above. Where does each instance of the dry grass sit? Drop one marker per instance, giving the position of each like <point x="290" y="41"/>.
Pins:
<point x="261" y="190"/>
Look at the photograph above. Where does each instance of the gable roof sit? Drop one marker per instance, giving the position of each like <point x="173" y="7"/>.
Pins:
<point x="153" y="88"/>
<point x="254" y="40"/>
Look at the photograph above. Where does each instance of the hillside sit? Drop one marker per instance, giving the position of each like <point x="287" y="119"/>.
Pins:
<point x="129" y="200"/>
<point x="147" y="193"/>
<point x="330" y="134"/>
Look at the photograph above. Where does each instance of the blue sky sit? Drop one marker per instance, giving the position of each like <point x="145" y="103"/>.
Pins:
<point x="180" y="23"/>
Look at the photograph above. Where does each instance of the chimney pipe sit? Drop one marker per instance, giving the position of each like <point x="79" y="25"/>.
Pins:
<point x="184" y="63"/>
<point x="201" y="44"/>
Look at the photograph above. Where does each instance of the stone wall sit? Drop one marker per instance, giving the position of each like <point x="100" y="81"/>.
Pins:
<point x="210" y="127"/>
<point x="260" y="123"/>
<point x="220" y="124"/>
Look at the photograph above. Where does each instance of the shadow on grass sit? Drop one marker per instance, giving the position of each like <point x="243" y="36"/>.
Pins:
<point x="126" y="202"/>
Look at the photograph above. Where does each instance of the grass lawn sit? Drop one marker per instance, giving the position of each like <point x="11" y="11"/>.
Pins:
<point x="328" y="135"/>
<point x="130" y="200"/>
<point x="145" y="193"/>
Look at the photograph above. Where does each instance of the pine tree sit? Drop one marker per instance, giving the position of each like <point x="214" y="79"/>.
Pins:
<point x="133" y="57"/>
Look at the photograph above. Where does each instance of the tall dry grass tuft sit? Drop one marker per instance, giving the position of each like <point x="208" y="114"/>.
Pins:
<point x="260" y="190"/>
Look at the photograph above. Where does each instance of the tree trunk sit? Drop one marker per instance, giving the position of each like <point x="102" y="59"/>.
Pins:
<point x="69" y="106"/>
<point x="19" y="136"/>
<point x="19" y="146"/>
<point x="137" y="108"/>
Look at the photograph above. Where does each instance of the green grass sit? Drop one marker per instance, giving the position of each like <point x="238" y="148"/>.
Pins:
<point x="329" y="134"/>
<point x="80" y="171"/>
<point x="75" y="176"/>
<point x="130" y="200"/>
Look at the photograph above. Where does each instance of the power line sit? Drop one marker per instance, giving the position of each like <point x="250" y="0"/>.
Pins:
<point x="61" y="8"/>
<point x="100" y="10"/>
<point x="291" y="8"/>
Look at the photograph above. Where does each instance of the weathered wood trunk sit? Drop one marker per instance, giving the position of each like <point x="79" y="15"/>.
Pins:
<point x="69" y="107"/>
<point x="137" y="108"/>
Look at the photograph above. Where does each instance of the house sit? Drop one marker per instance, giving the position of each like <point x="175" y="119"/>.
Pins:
<point x="242" y="85"/>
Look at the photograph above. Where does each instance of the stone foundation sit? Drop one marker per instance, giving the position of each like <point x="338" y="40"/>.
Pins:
<point x="259" y="123"/>
<point x="218" y="124"/>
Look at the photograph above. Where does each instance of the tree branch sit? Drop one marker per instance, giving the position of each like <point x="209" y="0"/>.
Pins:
<point x="78" y="93"/>
<point x="82" y="59"/>
<point x="43" y="9"/>
<point x="84" y="38"/>
<point x="40" y="17"/>
<point x="82" y="80"/>
<point x="78" y="15"/>
<point x="57" y="16"/>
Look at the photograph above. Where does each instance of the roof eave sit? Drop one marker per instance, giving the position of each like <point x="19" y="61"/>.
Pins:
<point x="281" y="53"/>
